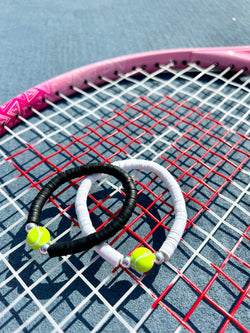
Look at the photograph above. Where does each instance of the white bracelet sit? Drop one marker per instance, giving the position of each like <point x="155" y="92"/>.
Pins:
<point x="106" y="251"/>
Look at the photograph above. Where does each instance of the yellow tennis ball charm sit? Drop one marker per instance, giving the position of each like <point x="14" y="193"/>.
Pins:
<point x="142" y="259"/>
<point x="37" y="237"/>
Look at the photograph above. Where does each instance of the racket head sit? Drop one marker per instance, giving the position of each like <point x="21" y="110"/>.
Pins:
<point x="200" y="134"/>
<point x="22" y="105"/>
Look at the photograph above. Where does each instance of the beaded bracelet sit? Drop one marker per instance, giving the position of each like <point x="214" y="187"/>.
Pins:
<point x="38" y="237"/>
<point x="142" y="260"/>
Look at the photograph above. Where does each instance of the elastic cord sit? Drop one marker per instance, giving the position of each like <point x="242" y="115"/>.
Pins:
<point x="95" y="238"/>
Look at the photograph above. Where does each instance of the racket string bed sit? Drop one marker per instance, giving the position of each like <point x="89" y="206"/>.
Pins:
<point x="194" y="121"/>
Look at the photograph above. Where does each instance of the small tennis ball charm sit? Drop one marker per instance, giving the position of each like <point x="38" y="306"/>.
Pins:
<point x="142" y="259"/>
<point x="37" y="237"/>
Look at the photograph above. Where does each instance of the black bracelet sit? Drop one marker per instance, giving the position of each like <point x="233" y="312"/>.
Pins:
<point x="84" y="243"/>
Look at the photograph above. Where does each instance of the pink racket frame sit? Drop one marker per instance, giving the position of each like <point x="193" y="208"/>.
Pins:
<point x="239" y="57"/>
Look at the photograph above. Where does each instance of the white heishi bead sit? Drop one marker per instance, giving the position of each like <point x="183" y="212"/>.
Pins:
<point x="168" y="247"/>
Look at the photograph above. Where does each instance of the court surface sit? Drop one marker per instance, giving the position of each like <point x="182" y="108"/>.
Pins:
<point x="42" y="39"/>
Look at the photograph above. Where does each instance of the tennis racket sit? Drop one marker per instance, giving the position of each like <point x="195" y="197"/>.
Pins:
<point x="186" y="110"/>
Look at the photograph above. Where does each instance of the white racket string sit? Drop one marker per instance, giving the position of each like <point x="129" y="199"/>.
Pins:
<point x="194" y="121"/>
